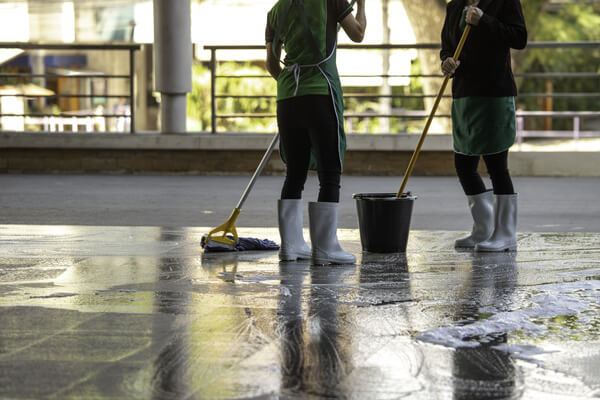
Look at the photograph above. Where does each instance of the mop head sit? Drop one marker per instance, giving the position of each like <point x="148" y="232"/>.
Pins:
<point x="243" y="244"/>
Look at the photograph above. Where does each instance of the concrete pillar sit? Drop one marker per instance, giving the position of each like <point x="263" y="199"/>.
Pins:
<point x="172" y="61"/>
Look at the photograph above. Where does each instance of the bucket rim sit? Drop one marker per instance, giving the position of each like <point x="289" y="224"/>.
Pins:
<point x="383" y="196"/>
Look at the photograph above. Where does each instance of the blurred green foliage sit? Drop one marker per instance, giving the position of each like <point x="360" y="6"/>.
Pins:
<point x="199" y="107"/>
<point x="573" y="23"/>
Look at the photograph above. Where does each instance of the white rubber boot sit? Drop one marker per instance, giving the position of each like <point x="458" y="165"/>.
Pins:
<point x="482" y="210"/>
<point x="504" y="237"/>
<point x="326" y="249"/>
<point x="293" y="245"/>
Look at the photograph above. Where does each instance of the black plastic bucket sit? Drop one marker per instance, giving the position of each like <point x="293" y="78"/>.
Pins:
<point x="384" y="221"/>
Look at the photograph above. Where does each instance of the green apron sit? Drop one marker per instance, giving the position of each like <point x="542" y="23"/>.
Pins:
<point x="482" y="125"/>
<point x="327" y="67"/>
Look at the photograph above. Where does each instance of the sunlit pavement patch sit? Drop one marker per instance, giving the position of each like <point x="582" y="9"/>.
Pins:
<point x="140" y="312"/>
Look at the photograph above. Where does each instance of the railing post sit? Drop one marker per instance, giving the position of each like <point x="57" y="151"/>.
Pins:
<point x="213" y="90"/>
<point x="520" y="126"/>
<point x="576" y="125"/>
<point x="131" y="91"/>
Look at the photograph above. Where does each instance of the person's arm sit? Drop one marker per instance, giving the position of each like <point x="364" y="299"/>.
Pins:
<point x="273" y="56"/>
<point x="447" y="50"/>
<point x="449" y="64"/>
<point x="511" y="31"/>
<point x="355" y="27"/>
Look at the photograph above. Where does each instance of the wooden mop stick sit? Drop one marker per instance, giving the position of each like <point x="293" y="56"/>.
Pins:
<point x="415" y="155"/>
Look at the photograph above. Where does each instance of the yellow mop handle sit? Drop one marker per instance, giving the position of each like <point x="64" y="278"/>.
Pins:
<point x="415" y="155"/>
<point x="229" y="225"/>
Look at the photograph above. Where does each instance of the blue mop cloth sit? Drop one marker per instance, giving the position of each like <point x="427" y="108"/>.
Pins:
<point x="243" y="244"/>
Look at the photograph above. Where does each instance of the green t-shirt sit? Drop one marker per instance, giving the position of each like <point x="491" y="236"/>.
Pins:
<point x="321" y="18"/>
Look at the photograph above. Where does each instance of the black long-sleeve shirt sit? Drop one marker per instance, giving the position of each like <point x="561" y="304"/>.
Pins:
<point x="485" y="68"/>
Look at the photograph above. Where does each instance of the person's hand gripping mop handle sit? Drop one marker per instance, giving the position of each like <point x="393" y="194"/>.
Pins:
<point x="415" y="155"/>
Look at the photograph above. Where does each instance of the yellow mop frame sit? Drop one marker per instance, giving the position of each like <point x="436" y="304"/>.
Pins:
<point x="229" y="225"/>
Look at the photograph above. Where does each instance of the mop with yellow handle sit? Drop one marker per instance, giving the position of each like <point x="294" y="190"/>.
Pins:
<point x="415" y="155"/>
<point x="225" y="237"/>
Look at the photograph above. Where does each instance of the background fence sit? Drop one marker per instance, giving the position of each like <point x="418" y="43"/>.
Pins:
<point x="26" y="101"/>
<point x="544" y="112"/>
<point x="584" y="117"/>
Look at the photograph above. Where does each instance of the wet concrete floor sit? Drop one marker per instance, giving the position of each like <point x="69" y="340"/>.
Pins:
<point x="141" y="313"/>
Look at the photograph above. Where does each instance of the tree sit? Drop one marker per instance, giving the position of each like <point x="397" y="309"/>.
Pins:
<point x="385" y="102"/>
<point x="533" y="10"/>
<point x="574" y="22"/>
<point x="423" y="15"/>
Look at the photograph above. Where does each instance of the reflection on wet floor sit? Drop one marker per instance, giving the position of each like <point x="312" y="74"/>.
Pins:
<point x="103" y="312"/>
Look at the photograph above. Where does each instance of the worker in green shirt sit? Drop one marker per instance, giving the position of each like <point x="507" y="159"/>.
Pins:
<point x="483" y="113"/>
<point x="310" y="112"/>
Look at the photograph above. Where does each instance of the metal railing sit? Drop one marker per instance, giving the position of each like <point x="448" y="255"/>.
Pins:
<point x="55" y="122"/>
<point x="522" y="115"/>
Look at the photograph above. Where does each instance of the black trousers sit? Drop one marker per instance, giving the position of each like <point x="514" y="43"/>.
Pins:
<point x="497" y="166"/>
<point x="307" y="122"/>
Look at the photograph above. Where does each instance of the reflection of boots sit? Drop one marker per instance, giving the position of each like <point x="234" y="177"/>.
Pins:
<point x="505" y="221"/>
<point x="482" y="210"/>
<point x="293" y="245"/>
<point x="323" y="218"/>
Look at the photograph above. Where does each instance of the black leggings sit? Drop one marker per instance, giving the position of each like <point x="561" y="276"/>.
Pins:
<point x="307" y="122"/>
<point x="497" y="166"/>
